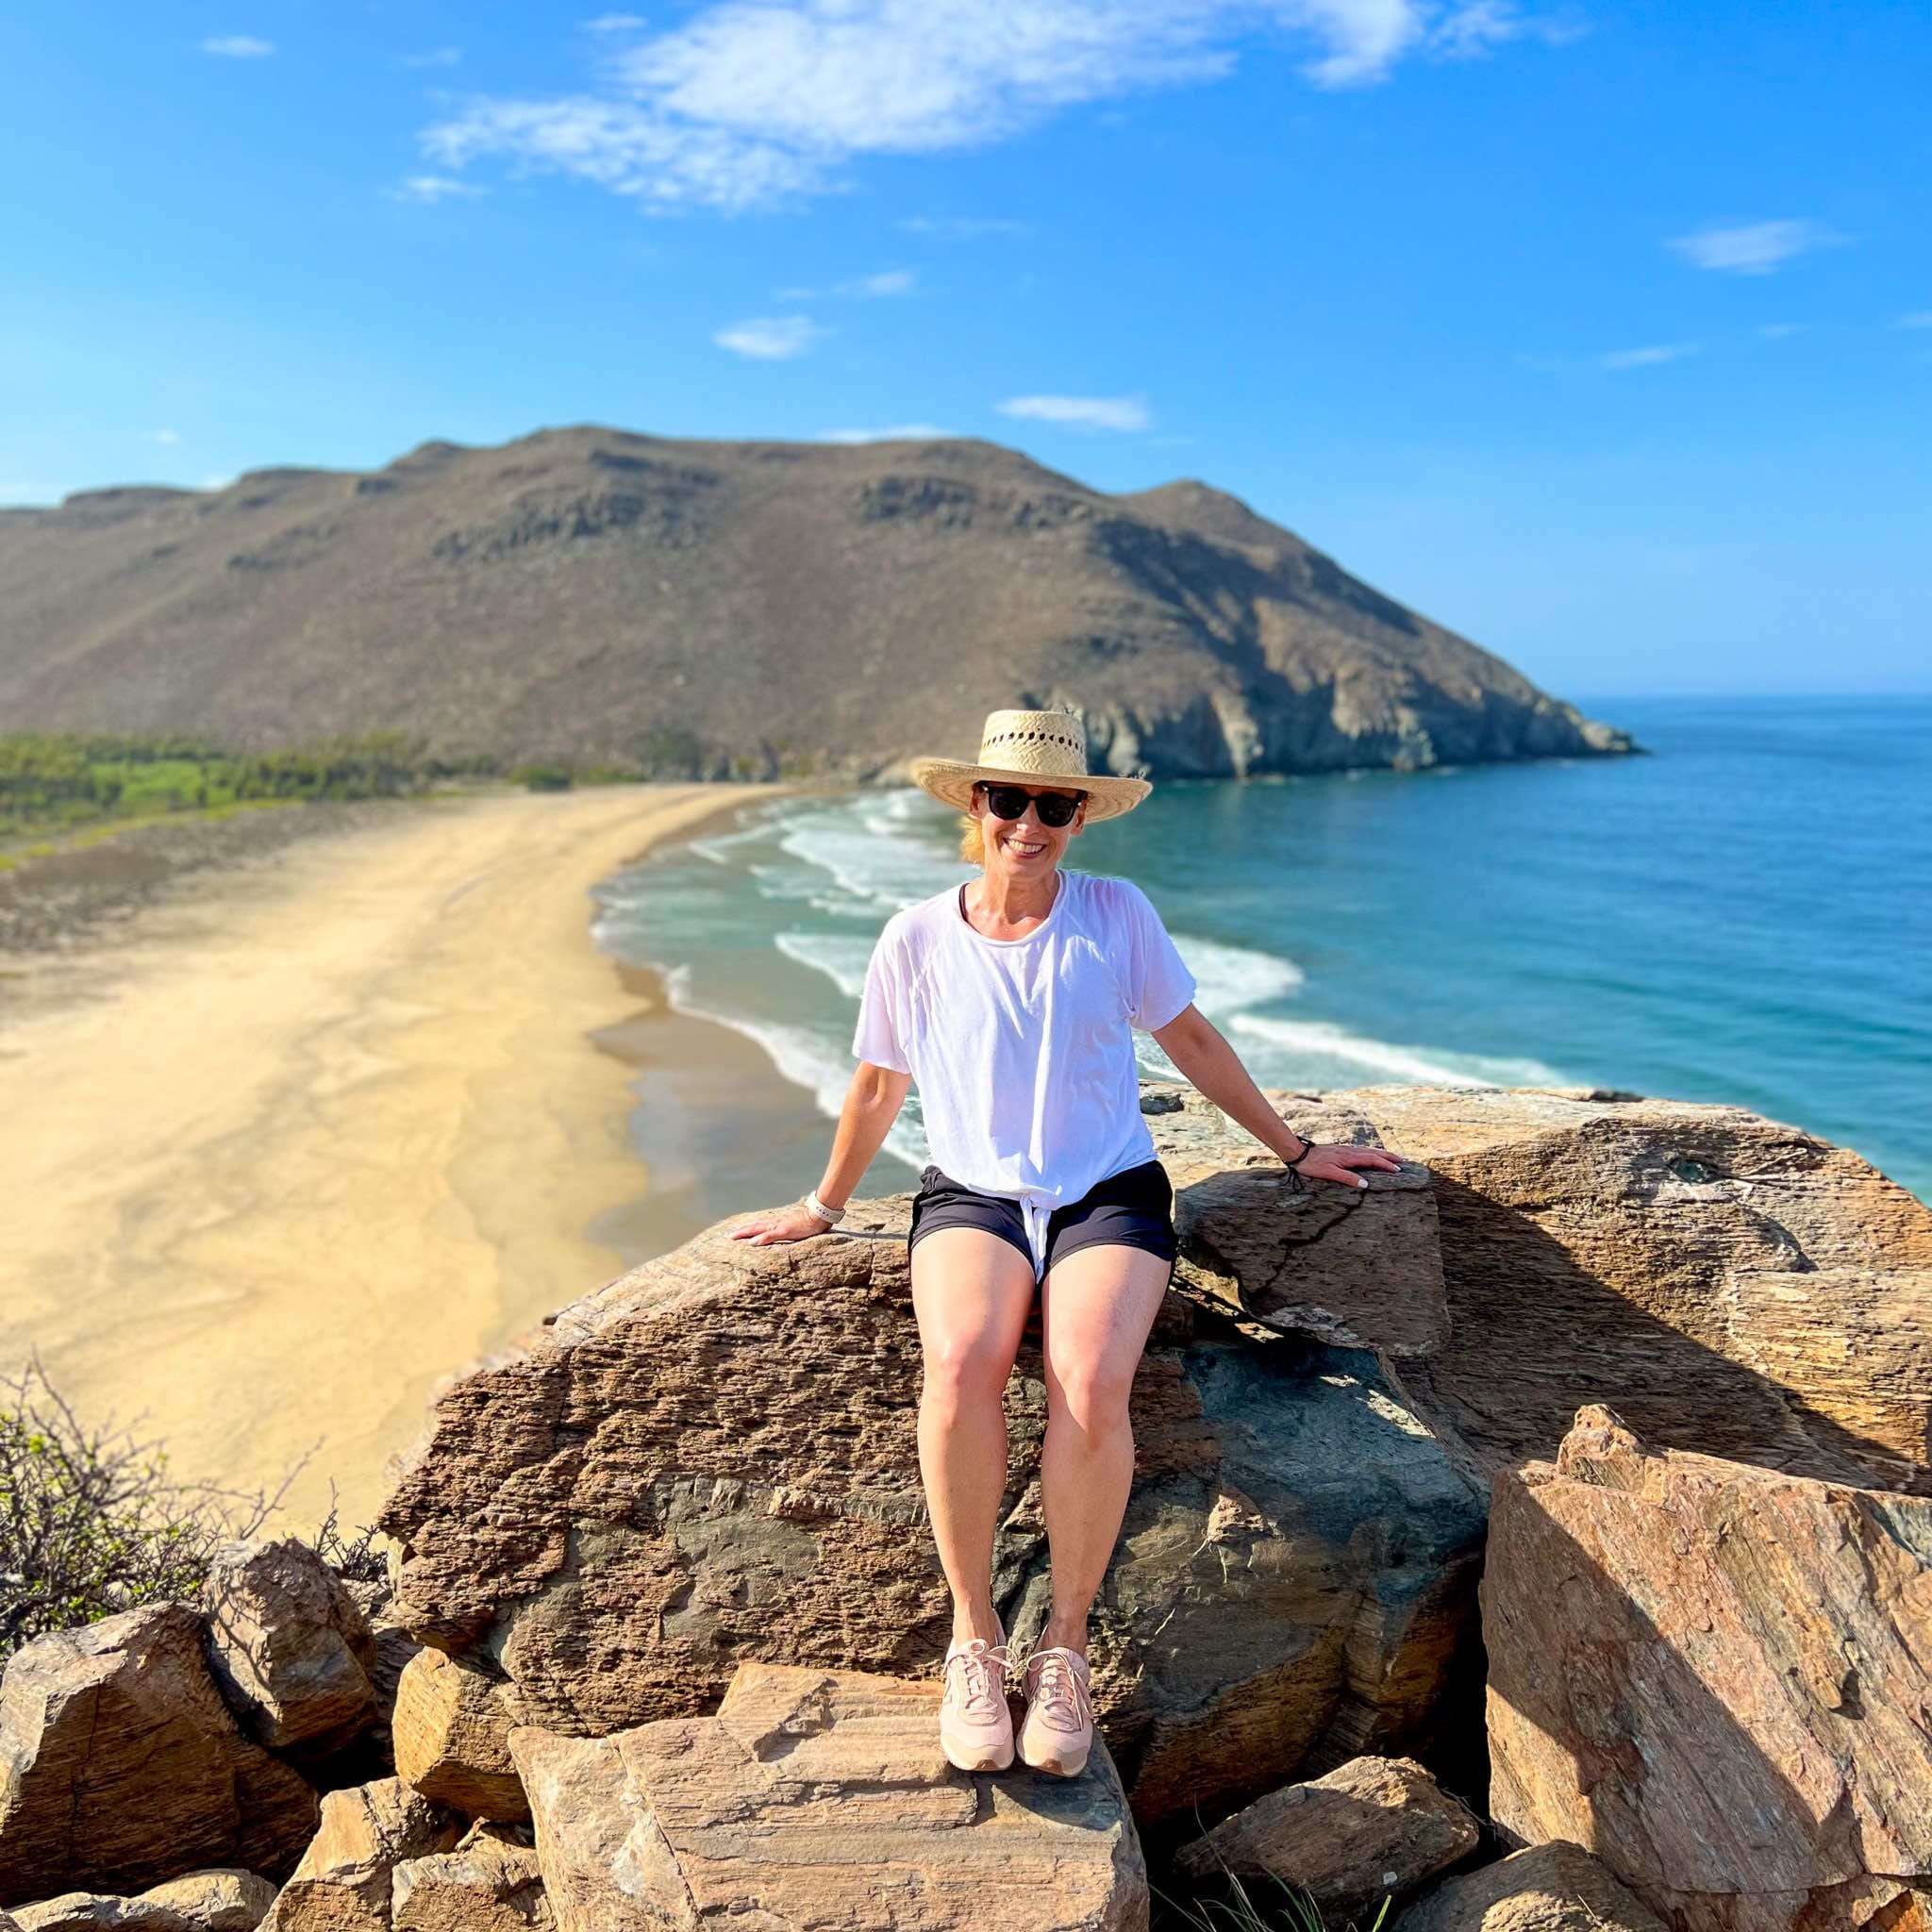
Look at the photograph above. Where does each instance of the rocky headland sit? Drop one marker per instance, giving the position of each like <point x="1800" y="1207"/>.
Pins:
<point x="591" y="597"/>
<point x="1541" y="1539"/>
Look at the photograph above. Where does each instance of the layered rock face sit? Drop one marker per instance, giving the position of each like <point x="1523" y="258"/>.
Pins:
<point x="820" y="1798"/>
<point x="713" y="1458"/>
<point x="1728" y="1284"/>
<point x="1552" y="1887"/>
<point x="1717" y="1678"/>
<point x="120" y="1765"/>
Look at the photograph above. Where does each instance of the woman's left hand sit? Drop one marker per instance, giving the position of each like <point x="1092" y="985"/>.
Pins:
<point x="1336" y="1162"/>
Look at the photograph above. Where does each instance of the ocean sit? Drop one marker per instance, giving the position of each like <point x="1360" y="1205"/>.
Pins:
<point x="1744" y="915"/>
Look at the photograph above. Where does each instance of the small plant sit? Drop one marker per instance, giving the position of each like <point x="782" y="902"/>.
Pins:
<point x="92" y="1522"/>
<point x="1240" y="1911"/>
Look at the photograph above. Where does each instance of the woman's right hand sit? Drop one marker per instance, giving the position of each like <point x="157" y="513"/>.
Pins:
<point x="794" y="1223"/>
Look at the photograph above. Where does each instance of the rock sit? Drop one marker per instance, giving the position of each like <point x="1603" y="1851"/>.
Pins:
<point x="1728" y="1285"/>
<point x="217" y="1900"/>
<point x="490" y="1883"/>
<point x="1552" y="1887"/>
<point x="121" y="1766"/>
<point x="289" y="1646"/>
<point x="1716" y="1678"/>
<point x="821" y="1798"/>
<point x="1372" y="1826"/>
<point x="713" y="1458"/>
<point x="344" y="1883"/>
<point x="451" y="1729"/>
<point x="1361" y="1270"/>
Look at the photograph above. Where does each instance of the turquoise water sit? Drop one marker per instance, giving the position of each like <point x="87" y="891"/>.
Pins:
<point x="1745" y="915"/>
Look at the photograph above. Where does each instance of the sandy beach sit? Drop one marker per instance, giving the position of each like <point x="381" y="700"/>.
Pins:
<point x="305" y="1139"/>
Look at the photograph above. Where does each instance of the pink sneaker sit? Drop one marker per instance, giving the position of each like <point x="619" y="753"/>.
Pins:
<point x="1057" y="1732"/>
<point x="975" y="1725"/>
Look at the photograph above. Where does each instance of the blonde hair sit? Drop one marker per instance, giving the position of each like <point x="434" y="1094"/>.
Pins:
<point x="971" y="841"/>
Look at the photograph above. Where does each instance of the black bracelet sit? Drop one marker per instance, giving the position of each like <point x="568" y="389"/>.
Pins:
<point x="1308" y="1148"/>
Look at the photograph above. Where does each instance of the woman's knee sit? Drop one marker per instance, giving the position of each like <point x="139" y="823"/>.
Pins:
<point x="1094" y="1396"/>
<point x="965" y="1376"/>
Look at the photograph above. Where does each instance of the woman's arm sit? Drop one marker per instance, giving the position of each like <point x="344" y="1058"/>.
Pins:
<point x="872" y="1105"/>
<point x="1194" y="1044"/>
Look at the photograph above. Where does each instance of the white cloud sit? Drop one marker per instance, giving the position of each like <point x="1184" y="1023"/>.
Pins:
<point x="892" y="281"/>
<point x="1649" y="358"/>
<point x="614" y="24"/>
<point x="432" y="188"/>
<point x="216" y="482"/>
<point x="769" y="338"/>
<point x="1919" y="318"/>
<point x="965" y="226"/>
<point x="899" y="432"/>
<point x="239" y="47"/>
<point x="437" y="57"/>
<point x="1752" y="248"/>
<point x="750" y="102"/>
<point x="166" y="438"/>
<point x="1081" y="412"/>
<point x="1772" y="331"/>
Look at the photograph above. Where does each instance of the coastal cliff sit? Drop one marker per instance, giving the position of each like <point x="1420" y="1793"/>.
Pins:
<point x="754" y="609"/>
<point x="656" y="1646"/>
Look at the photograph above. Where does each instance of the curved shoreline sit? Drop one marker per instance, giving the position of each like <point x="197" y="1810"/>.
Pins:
<point x="303" y="1140"/>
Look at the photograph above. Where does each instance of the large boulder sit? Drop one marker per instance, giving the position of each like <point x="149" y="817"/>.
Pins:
<point x="289" y="1646"/>
<point x="492" y="1882"/>
<point x="713" y="1457"/>
<point x="345" y="1882"/>
<point x="1717" y="1678"/>
<point x="451" y="1729"/>
<point x="121" y="1765"/>
<point x="1372" y="1829"/>
<point x="1728" y="1284"/>
<point x="821" y="1798"/>
<point x="1359" y="1268"/>
<point x="1551" y="1888"/>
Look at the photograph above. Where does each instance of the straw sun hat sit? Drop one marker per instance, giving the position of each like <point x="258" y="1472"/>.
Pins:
<point x="1042" y="748"/>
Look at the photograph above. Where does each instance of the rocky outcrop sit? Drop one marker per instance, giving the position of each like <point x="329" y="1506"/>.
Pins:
<point x="821" y="1798"/>
<point x="1302" y="1258"/>
<point x="216" y="1901"/>
<point x="713" y="1458"/>
<point x="451" y="1729"/>
<point x="1372" y="1829"/>
<point x="491" y="1882"/>
<point x="121" y="1766"/>
<point x="289" y="1646"/>
<point x="345" y="1880"/>
<point x="1729" y="1285"/>
<point x="1717" y="1678"/>
<point x="1551" y="1888"/>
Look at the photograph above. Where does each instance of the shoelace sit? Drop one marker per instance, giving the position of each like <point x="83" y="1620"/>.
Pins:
<point x="1057" y="1687"/>
<point x="973" y="1679"/>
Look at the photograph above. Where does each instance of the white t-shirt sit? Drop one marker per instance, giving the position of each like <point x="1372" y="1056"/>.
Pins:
<point x="1023" y="1049"/>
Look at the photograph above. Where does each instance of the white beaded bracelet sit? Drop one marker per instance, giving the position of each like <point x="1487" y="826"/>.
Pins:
<point x="819" y="1212"/>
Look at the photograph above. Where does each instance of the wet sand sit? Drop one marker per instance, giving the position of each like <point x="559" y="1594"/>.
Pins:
<point x="306" y="1138"/>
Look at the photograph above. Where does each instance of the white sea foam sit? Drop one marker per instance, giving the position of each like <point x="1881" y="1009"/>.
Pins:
<point x="802" y="1056"/>
<point x="1227" y="979"/>
<point x="842" y="957"/>
<point x="1305" y="1052"/>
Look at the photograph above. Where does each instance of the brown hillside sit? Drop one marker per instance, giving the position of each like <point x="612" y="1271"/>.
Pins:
<point x="709" y="606"/>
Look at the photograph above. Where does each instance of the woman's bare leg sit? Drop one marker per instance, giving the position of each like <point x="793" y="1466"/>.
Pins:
<point x="1096" y="1308"/>
<point x="971" y="1294"/>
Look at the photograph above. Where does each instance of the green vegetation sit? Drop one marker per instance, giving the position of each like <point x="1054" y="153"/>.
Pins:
<point x="1236" y="1910"/>
<point x="54" y="783"/>
<point x="92" y="1521"/>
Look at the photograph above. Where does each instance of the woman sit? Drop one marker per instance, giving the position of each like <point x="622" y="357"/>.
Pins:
<point x="1011" y="1002"/>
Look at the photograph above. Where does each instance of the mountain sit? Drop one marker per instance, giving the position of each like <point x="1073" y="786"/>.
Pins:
<point x="706" y="608"/>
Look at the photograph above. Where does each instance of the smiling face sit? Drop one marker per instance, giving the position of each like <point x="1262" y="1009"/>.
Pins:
<point x="1024" y="848"/>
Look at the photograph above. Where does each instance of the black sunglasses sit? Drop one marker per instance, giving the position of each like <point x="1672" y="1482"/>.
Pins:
<point x="1055" y="808"/>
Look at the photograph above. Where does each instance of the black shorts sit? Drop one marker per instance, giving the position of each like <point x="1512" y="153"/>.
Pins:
<point x="1133" y="1208"/>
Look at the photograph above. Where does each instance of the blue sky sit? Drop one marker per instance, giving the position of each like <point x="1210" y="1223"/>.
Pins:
<point x="1600" y="332"/>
